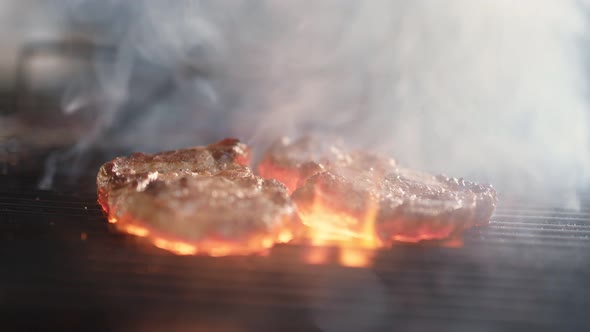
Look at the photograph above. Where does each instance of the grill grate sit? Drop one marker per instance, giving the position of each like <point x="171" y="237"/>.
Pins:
<point x="527" y="270"/>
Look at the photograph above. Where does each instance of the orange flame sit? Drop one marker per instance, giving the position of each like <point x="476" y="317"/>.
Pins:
<point x="355" y="236"/>
<point x="211" y="247"/>
<point x="316" y="255"/>
<point x="137" y="230"/>
<point x="176" y="247"/>
<point x="353" y="257"/>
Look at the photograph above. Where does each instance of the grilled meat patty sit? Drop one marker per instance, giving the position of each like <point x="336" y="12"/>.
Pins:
<point x="202" y="160"/>
<point x="293" y="162"/>
<point x="404" y="205"/>
<point x="347" y="190"/>
<point x="204" y="197"/>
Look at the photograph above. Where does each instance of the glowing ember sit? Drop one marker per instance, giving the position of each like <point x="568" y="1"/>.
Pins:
<point x="178" y="248"/>
<point x="327" y="225"/>
<point x="355" y="257"/>
<point x="212" y="247"/>
<point x="267" y="243"/>
<point x="285" y="236"/>
<point x="425" y="236"/>
<point x="220" y="251"/>
<point x="137" y="230"/>
<point x="455" y="242"/>
<point x="316" y="255"/>
<point x="352" y="234"/>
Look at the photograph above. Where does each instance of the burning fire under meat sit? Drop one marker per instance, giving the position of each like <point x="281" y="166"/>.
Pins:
<point x="211" y="248"/>
<point x="327" y="227"/>
<point x="257" y="245"/>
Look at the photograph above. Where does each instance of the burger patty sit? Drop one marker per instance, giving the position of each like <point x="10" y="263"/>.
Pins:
<point x="139" y="168"/>
<point x="404" y="205"/>
<point x="205" y="198"/>
<point x="347" y="190"/>
<point x="293" y="162"/>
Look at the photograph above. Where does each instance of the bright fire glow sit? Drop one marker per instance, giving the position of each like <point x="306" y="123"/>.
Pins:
<point x="353" y="257"/>
<point x="178" y="248"/>
<point x="316" y="255"/>
<point x="137" y="230"/>
<point x="355" y="236"/>
<point x="212" y="247"/>
<point x="267" y="243"/>
<point x="455" y="242"/>
<point x="285" y="236"/>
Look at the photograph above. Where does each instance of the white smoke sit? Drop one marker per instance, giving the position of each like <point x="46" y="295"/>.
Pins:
<point x="493" y="90"/>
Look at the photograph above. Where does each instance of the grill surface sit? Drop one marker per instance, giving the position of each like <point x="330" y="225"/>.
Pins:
<point x="62" y="269"/>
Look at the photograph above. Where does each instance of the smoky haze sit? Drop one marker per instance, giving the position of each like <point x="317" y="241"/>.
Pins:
<point x="491" y="90"/>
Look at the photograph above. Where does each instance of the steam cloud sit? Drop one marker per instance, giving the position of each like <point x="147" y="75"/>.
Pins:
<point x="492" y="90"/>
